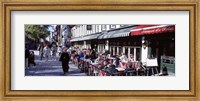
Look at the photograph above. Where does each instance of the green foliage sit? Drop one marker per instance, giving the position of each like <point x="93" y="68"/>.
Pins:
<point x="35" y="32"/>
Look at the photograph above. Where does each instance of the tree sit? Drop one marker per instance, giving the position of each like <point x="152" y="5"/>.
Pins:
<point x="37" y="32"/>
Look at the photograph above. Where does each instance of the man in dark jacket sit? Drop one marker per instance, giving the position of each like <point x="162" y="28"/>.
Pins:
<point x="27" y="55"/>
<point x="64" y="58"/>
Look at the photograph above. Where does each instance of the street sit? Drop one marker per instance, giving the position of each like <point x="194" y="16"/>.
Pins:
<point x="50" y="68"/>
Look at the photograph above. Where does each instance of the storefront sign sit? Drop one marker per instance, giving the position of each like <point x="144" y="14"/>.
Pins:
<point x="159" y="30"/>
<point x="153" y="30"/>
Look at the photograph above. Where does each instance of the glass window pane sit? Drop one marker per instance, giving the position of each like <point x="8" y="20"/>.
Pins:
<point x="138" y="54"/>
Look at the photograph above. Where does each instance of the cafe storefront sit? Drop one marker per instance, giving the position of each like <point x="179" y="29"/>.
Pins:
<point x="158" y="42"/>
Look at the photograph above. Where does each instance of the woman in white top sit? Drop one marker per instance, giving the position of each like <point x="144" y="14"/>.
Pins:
<point x="59" y="50"/>
<point x="46" y="52"/>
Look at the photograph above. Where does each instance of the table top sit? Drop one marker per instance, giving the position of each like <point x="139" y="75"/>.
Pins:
<point x="120" y="69"/>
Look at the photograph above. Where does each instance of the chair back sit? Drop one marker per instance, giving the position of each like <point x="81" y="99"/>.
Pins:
<point x="102" y="73"/>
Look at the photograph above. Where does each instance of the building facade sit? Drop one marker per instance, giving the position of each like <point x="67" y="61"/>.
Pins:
<point x="142" y="41"/>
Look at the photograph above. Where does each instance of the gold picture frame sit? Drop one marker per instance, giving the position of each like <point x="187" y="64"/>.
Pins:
<point x="123" y="5"/>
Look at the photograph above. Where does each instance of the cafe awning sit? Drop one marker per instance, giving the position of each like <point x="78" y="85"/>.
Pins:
<point x="87" y="37"/>
<point x="121" y="32"/>
<point x="91" y="36"/>
<point x="152" y="29"/>
<point x="75" y="39"/>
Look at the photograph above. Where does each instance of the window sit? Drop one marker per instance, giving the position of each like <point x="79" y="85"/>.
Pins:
<point x="123" y="25"/>
<point x="103" y="27"/>
<point x="126" y="51"/>
<point x="97" y="28"/>
<point x="120" y="50"/>
<point x="115" y="50"/>
<point x="89" y="27"/>
<point x="112" y="26"/>
<point x="138" y="50"/>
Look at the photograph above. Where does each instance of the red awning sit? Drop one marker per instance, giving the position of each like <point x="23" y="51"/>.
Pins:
<point x="152" y="29"/>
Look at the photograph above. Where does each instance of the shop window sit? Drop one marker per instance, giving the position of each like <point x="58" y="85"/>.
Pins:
<point x="120" y="50"/>
<point x="111" y="51"/>
<point x="138" y="50"/>
<point x="126" y="51"/>
<point x="131" y="50"/>
<point x="115" y="50"/>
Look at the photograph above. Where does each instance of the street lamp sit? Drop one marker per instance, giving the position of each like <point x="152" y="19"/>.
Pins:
<point x="144" y="43"/>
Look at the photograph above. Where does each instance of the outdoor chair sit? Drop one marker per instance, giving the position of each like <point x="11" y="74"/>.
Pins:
<point x="81" y="65"/>
<point x="130" y="71"/>
<point x="86" y="66"/>
<point x="102" y="73"/>
<point x="96" y="71"/>
<point x="141" y="70"/>
<point x="93" y="70"/>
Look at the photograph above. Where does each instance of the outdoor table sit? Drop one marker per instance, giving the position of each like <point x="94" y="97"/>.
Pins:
<point x="120" y="70"/>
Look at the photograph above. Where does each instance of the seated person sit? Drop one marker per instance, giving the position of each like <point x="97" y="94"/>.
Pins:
<point x="129" y="68"/>
<point x="101" y="66"/>
<point x="81" y="55"/>
<point x="105" y="63"/>
<point x="116" y="61"/>
<point x="131" y="58"/>
<point x="99" y="59"/>
<point x="110" y="69"/>
<point x="87" y="56"/>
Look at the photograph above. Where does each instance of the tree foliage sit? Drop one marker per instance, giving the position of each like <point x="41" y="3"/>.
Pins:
<point x="37" y="32"/>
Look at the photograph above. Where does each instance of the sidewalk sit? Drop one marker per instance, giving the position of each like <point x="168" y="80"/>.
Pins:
<point x="50" y="68"/>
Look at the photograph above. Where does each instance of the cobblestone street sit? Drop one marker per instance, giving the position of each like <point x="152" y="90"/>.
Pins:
<point x="50" y="68"/>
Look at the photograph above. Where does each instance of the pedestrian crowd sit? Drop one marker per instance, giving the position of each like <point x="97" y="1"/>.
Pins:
<point x="46" y="51"/>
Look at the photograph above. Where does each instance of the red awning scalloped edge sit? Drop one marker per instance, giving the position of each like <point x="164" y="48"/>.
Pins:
<point x="154" y="29"/>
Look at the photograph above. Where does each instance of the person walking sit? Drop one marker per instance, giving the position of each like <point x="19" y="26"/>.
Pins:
<point x="46" y="52"/>
<point x="54" y="51"/>
<point x="27" y="55"/>
<point x="64" y="58"/>
<point x="40" y="49"/>
<point x="59" y="50"/>
<point x="32" y="58"/>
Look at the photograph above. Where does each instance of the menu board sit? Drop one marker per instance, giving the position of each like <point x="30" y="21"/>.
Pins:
<point x="152" y="62"/>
